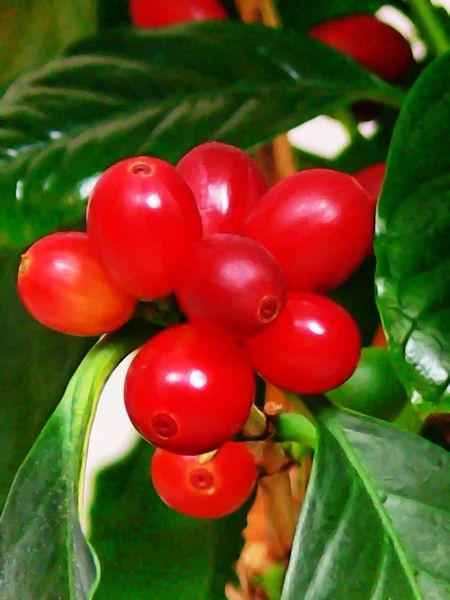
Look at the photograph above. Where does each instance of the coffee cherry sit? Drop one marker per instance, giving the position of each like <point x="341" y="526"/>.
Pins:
<point x="379" y="339"/>
<point x="371" y="178"/>
<point x="232" y="281"/>
<point x="313" y="346"/>
<point x="376" y="45"/>
<point x="63" y="286"/>
<point x="226" y="184"/>
<point x="319" y="226"/>
<point x="206" y="490"/>
<point x="189" y="391"/>
<point x="161" y="13"/>
<point x="374" y="388"/>
<point x="141" y="218"/>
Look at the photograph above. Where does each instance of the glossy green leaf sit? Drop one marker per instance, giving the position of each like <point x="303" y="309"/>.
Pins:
<point x="158" y="92"/>
<point x="43" y="552"/>
<point x="303" y="14"/>
<point x="33" y="31"/>
<point x="376" y="521"/>
<point x="146" y="550"/>
<point x="35" y="366"/>
<point x="413" y="242"/>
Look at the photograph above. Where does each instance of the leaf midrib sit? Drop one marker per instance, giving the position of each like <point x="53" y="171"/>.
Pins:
<point x="371" y="491"/>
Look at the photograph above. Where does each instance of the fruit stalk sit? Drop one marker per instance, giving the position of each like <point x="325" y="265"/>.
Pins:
<point x="296" y="428"/>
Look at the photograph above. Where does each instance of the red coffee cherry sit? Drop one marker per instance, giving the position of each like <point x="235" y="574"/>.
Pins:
<point x="377" y="46"/>
<point x="226" y="184"/>
<point x="312" y="348"/>
<point x="232" y="281"/>
<point x="63" y="286"/>
<point x="318" y="224"/>
<point x="141" y="218"/>
<point x="161" y="13"/>
<point x="206" y="490"/>
<point x="189" y="391"/>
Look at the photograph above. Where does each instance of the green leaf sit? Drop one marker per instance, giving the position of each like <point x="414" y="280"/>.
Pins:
<point x="113" y="13"/>
<point x="32" y="31"/>
<point x="43" y="552"/>
<point x="303" y="14"/>
<point x="147" y="550"/>
<point x="35" y="366"/>
<point x="413" y="243"/>
<point x="157" y="92"/>
<point x="376" y="521"/>
<point x="357" y="296"/>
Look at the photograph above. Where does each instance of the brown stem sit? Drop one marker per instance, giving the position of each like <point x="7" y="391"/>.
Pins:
<point x="277" y="494"/>
<point x="280" y="521"/>
<point x="249" y="10"/>
<point x="268" y="13"/>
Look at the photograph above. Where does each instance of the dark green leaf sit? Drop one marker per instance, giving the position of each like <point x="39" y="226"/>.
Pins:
<point x="43" y="553"/>
<point x="158" y="92"/>
<point x="35" y="366"/>
<point x="376" y="521"/>
<point x="147" y="550"/>
<point x="413" y="242"/>
<point x="113" y="13"/>
<point x="32" y="31"/>
<point x="357" y="296"/>
<point x="303" y="14"/>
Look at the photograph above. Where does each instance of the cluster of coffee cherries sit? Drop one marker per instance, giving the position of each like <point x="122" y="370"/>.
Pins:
<point x="249" y="267"/>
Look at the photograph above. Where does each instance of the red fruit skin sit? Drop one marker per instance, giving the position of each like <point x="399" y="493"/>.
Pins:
<point x="377" y="46"/>
<point x="158" y="13"/>
<point x="141" y="218"/>
<point x="189" y="391"/>
<point x="312" y="348"/>
<point x="379" y="339"/>
<point x="319" y="226"/>
<point x="63" y="286"/>
<point x="226" y="183"/>
<point x="371" y="178"/>
<point x="225" y="482"/>
<point x="233" y="281"/>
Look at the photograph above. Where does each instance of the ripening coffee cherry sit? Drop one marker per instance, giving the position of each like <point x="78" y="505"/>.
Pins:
<point x="376" y="45"/>
<point x="313" y="346"/>
<point x="319" y="226"/>
<point x="371" y="178"/>
<point x="189" y="391"/>
<point x="63" y="286"/>
<point x="206" y="490"/>
<point x="141" y="218"/>
<point x="161" y="13"/>
<point x="226" y="184"/>
<point x="232" y="281"/>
